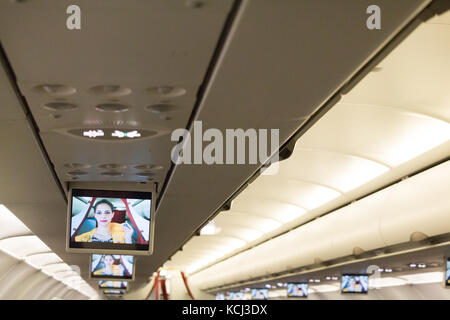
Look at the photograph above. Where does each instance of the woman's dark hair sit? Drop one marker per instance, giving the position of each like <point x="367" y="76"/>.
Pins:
<point x="105" y="202"/>
<point x="104" y="257"/>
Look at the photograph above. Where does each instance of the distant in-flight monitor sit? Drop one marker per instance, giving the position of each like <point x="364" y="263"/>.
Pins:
<point x="109" y="284"/>
<point x="235" y="295"/>
<point x="260" y="294"/>
<point x="297" y="290"/>
<point x="355" y="283"/>
<point x="112" y="267"/>
<point x="220" y="296"/>
<point x="113" y="292"/>
<point x="110" y="221"/>
<point x="447" y="273"/>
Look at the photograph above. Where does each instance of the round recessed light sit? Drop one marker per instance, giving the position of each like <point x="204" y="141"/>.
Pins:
<point x="167" y="91"/>
<point x="111" y="107"/>
<point x="112" y="173"/>
<point x="145" y="167"/>
<point x="145" y="174"/>
<point x="113" y="166"/>
<point x="76" y="166"/>
<point x="161" y="108"/>
<point x="77" y="173"/>
<point x="111" y="91"/>
<point x="60" y="106"/>
<point x="56" y="90"/>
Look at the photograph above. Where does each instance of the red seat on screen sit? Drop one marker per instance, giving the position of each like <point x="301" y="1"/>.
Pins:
<point x="119" y="216"/>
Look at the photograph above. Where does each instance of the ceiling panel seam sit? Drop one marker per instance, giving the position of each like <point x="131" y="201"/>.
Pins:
<point x="224" y="35"/>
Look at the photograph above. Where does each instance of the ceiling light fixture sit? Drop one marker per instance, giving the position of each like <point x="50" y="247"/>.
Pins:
<point x="112" y="91"/>
<point x="120" y="134"/>
<point x="60" y="106"/>
<point x="93" y="133"/>
<point x="111" y="107"/>
<point x="57" y="90"/>
<point x="161" y="108"/>
<point x="167" y="91"/>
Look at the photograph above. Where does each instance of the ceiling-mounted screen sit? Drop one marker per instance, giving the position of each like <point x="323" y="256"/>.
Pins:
<point x="113" y="292"/>
<point x="447" y="273"/>
<point x="109" y="284"/>
<point x="297" y="290"/>
<point x="101" y="221"/>
<point x="355" y="283"/>
<point x="220" y="296"/>
<point x="235" y="295"/>
<point x="112" y="267"/>
<point x="260" y="294"/>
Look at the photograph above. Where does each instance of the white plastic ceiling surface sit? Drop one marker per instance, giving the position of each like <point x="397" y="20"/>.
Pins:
<point x="392" y="123"/>
<point x="385" y="218"/>
<point x="268" y="75"/>
<point x="279" y="80"/>
<point x="27" y="264"/>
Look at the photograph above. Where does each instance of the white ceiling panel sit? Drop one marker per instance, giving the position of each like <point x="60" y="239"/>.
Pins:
<point x="42" y="259"/>
<point x="23" y="246"/>
<point x="11" y="226"/>
<point x="389" y="121"/>
<point x="389" y="136"/>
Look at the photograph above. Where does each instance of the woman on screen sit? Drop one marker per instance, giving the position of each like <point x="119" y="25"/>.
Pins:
<point x="355" y="284"/>
<point x="106" y="230"/>
<point x="110" y="268"/>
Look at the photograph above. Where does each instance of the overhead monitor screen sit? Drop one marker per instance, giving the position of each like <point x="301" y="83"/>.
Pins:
<point x="447" y="273"/>
<point x="235" y="296"/>
<point x="260" y="294"/>
<point x="113" y="292"/>
<point x="112" y="284"/>
<point x="110" y="221"/>
<point x="297" y="290"/>
<point x="112" y="266"/>
<point x="220" y="296"/>
<point x="355" y="283"/>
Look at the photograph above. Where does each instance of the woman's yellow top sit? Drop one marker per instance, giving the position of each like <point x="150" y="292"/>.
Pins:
<point x="117" y="233"/>
<point x="115" y="271"/>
